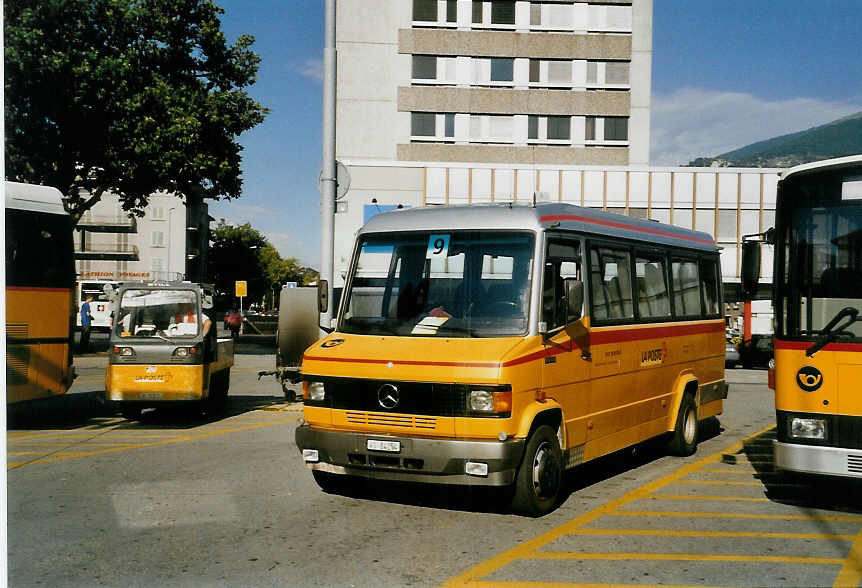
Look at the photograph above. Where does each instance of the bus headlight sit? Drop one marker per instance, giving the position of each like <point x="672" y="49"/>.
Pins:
<point x="490" y="400"/>
<point x="807" y="428"/>
<point x="315" y="391"/>
<point x="124" y="351"/>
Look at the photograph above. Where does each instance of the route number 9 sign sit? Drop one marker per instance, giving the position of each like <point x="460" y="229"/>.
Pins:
<point x="438" y="247"/>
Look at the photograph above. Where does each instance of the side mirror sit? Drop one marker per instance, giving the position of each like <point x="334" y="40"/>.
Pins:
<point x="750" y="270"/>
<point x="574" y="298"/>
<point x="322" y="295"/>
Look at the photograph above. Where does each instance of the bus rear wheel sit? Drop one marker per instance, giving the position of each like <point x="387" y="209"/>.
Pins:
<point x="683" y="441"/>
<point x="540" y="476"/>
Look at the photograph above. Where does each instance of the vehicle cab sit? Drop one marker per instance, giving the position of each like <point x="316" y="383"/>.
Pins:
<point x="164" y="350"/>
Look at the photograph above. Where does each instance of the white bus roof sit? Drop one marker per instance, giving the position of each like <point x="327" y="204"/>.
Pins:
<point x="824" y="165"/>
<point x="542" y="216"/>
<point x="34" y="198"/>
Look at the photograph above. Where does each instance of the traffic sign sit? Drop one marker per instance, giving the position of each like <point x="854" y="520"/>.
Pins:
<point x="242" y="288"/>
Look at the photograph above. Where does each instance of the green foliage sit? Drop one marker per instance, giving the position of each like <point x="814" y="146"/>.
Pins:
<point x="126" y="96"/>
<point x="243" y="253"/>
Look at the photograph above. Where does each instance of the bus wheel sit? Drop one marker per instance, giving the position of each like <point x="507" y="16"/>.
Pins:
<point x="537" y="485"/>
<point x="130" y="413"/>
<point x="684" y="439"/>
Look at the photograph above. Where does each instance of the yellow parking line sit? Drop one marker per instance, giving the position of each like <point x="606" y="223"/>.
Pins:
<point x="737" y="471"/>
<point x="497" y="583"/>
<point x="720" y="483"/>
<point x="708" y="497"/>
<point x="830" y="561"/>
<point x="179" y="439"/>
<point x="522" y="550"/>
<point x="851" y="571"/>
<point x="675" y="533"/>
<point x="738" y="515"/>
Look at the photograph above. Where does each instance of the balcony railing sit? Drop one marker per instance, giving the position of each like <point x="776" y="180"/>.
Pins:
<point x="107" y="223"/>
<point x="111" y="251"/>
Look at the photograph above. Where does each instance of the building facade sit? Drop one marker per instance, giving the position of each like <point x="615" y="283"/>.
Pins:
<point x="114" y="246"/>
<point x="515" y="81"/>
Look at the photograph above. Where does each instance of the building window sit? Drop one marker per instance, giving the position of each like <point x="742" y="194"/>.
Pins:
<point x="502" y="69"/>
<point x="450" y="125"/>
<point x="451" y="10"/>
<point x="617" y="72"/>
<point x="503" y="12"/>
<point x="158" y="213"/>
<point x="560" y="72"/>
<point x="616" y="128"/>
<point x="158" y="239"/>
<point x="590" y="128"/>
<point x="535" y="14"/>
<point x="477" y="11"/>
<point x="559" y="128"/>
<point x="535" y="69"/>
<point x="158" y="265"/>
<point x="592" y="72"/>
<point x="424" y="67"/>
<point x="425" y="10"/>
<point x="422" y="124"/>
<point x="532" y="127"/>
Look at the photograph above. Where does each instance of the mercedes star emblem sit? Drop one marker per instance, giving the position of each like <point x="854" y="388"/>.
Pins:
<point x="387" y="396"/>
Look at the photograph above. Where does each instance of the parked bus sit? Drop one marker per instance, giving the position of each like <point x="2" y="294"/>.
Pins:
<point x="818" y="329"/>
<point x="498" y="345"/>
<point x="40" y="290"/>
<point x="101" y="307"/>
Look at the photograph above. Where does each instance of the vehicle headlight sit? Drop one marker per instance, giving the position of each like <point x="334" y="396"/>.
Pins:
<point x="315" y="391"/>
<point x="182" y="352"/>
<point x="808" y="428"/>
<point x="124" y="351"/>
<point x="490" y="400"/>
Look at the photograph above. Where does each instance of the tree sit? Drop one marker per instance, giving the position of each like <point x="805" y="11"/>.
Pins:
<point x="244" y="253"/>
<point x="127" y="96"/>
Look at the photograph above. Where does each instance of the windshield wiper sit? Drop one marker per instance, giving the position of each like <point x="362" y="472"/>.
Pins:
<point x="828" y="334"/>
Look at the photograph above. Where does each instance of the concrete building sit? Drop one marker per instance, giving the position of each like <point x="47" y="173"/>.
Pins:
<point x="550" y="82"/>
<point x="111" y="245"/>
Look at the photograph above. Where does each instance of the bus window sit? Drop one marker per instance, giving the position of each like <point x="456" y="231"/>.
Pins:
<point x="611" y="283"/>
<point x="653" y="300"/>
<point x="561" y="261"/>
<point x="686" y="287"/>
<point x="709" y="279"/>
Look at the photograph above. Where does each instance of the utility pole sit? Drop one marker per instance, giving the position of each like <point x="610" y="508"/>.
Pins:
<point x="328" y="173"/>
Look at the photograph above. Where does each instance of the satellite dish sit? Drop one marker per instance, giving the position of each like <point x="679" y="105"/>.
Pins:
<point x="342" y="180"/>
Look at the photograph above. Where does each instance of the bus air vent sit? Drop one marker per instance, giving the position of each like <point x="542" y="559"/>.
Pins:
<point x="854" y="463"/>
<point x="17" y="356"/>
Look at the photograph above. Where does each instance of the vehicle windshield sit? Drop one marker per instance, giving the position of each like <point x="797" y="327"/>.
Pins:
<point x="158" y="313"/>
<point x="820" y="254"/>
<point x="440" y="284"/>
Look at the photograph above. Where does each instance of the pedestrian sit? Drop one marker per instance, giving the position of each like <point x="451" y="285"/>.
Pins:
<point x="86" y="321"/>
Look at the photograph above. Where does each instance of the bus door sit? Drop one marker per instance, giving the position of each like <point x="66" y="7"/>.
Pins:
<point x="566" y="368"/>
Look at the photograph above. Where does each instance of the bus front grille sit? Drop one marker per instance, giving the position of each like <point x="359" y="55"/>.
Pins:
<point x="854" y="463"/>
<point x="400" y="421"/>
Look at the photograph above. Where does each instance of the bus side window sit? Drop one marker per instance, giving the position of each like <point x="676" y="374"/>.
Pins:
<point x="709" y="279"/>
<point x="686" y="287"/>
<point x="611" y="286"/>
<point x="562" y="261"/>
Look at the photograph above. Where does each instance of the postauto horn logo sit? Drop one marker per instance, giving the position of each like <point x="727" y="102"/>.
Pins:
<point x="809" y="378"/>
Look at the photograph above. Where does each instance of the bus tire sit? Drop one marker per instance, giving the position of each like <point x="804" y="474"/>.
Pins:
<point x="540" y="476"/>
<point x="683" y="441"/>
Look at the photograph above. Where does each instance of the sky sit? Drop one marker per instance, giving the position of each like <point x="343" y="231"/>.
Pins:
<point x="725" y="73"/>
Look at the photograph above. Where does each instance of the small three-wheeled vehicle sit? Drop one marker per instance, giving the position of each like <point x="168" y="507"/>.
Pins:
<point x="164" y="350"/>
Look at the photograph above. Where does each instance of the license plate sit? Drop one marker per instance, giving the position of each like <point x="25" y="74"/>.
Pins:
<point x="378" y="445"/>
<point x="150" y="396"/>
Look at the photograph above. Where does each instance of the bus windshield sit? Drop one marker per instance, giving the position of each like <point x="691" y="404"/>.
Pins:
<point x="158" y="313"/>
<point x="440" y="284"/>
<point x="820" y="248"/>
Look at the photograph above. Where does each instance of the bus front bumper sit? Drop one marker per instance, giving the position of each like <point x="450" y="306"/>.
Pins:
<point x="436" y="461"/>
<point x="814" y="459"/>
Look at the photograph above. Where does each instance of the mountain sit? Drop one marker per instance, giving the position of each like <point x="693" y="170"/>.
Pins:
<point x="835" y="139"/>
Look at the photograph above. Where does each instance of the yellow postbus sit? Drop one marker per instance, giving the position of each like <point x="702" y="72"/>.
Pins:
<point x="40" y="293"/>
<point x="818" y="310"/>
<point x="499" y="345"/>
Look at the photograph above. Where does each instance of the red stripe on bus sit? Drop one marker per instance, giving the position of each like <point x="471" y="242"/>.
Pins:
<point x="802" y="345"/>
<point x="618" y="225"/>
<point x="37" y="289"/>
<point x="596" y="338"/>
<point x="476" y="364"/>
<point x="625" y="335"/>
